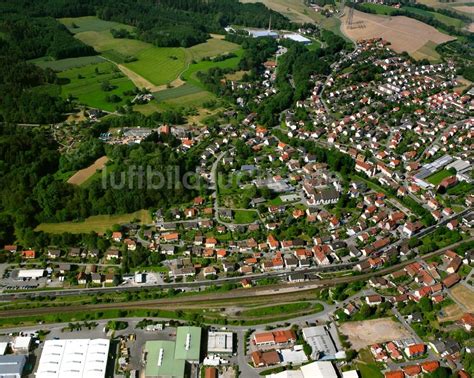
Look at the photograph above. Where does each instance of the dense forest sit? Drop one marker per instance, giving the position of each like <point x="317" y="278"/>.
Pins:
<point x="163" y="23"/>
<point x="30" y="194"/>
<point x="29" y="30"/>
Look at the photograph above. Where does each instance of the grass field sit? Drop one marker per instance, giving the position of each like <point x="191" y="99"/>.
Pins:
<point x="388" y="10"/>
<point x="449" y="21"/>
<point x="153" y="67"/>
<point x="85" y="85"/>
<point x="428" y="51"/>
<point x="190" y="74"/>
<point x="245" y="216"/>
<point x="91" y="23"/>
<point x="281" y="309"/>
<point x="212" y="47"/>
<point x="380" y="8"/>
<point x="96" y="223"/>
<point x="83" y="175"/>
<point x="67" y="64"/>
<point x="159" y="65"/>
<point x="183" y="90"/>
<point x="439" y="176"/>
<point x="366" y="365"/>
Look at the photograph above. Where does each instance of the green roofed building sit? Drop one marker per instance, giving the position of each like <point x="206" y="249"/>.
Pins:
<point x="160" y="361"/>
<point x="167" y="359"/>
<point x="188" y="344"/>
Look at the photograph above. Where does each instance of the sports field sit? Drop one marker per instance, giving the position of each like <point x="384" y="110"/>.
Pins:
<point x="85" y="85"/>
<point x="439" y="176"/>
<point x="96" y="223"/>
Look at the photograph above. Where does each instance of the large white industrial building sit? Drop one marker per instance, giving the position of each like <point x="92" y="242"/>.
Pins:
<point x="80" y="358"/>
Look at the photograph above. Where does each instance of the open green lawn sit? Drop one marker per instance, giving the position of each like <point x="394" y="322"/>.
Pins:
<point x="449" y="21"/>
<point x="281" y="309"/>
<point x="245" y="216"/>
<point x="103" y="41"/>
<point x="91" y="23"/>
<point x="85" y="85"/>
<point x="66" y="64"/>
<point x="212" y="47"/>
<point x="190" y="74"/>
<point x="388" y="10"/>
<point x="428" y="51"/>
<point x="380" y="8"/>
<point x="96" y="223"/>
<point x="367" y="366"/>
<point x="159" y="65"/>
<point x="439" y="176"/>
<point x="183" y="90"/>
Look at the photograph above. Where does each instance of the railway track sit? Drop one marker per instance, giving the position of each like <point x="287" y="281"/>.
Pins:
<point x="270" y="294"/>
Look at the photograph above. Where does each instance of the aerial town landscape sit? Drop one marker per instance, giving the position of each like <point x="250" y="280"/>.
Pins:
<point x="224" y="188"/>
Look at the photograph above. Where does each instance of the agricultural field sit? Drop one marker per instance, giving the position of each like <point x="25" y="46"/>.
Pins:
<point x="212" y="47"/>
<point x="295" y="10"/>
<point x="450" y="21"/>
<point x="91" y="23"/>
<point x="155" y="68"/>
<point x="367" y="332"/>
<point x="95" y="223"/>
<point x="172" y="93"/>
<point x="67" y="64"/>
<point x="83" y="175"/>
<point x="404" y="33"/>
<point x="85" y="84"/>
<point x="189" y="75"/>
<point x="159" y="65"/>
<point x="439" y="176"/>
<point x="428" y="51"/>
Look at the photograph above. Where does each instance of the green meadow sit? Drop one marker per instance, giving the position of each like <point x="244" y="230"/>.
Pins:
<point x="85" y="84"/>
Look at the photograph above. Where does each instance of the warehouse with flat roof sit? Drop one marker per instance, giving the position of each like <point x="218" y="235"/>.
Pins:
<point x="12" y="366"/>
<point x="219" y="342"/>
<point x="160" y="360"/>
<point x="167" y="359"/>
<point x="188" y="344"/>
<point x="74" y="358"/>
<point x="321" y="343"/>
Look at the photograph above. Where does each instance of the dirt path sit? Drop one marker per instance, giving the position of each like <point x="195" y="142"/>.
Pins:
<point x="82" y="175"/>
<point x="139" y="81"/>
